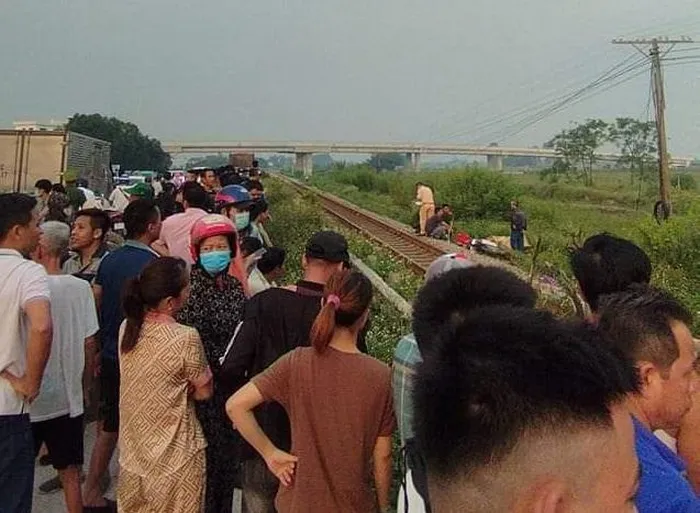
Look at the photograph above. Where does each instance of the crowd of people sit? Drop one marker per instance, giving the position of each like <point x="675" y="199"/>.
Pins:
<point x="214" y="375"/>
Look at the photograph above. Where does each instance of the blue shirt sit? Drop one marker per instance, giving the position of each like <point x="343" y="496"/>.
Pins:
<point x="403" y="371"/>
<point x="663" y="487"/>
<point x="114" y="271"/>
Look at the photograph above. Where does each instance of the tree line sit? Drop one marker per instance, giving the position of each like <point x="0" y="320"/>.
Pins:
<point x="576" y="147"/>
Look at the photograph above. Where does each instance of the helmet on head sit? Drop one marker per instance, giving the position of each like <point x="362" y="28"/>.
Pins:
<point x="233" y="196"/>
<point x="211" y="225"/>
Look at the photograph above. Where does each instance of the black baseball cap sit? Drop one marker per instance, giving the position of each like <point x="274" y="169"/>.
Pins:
<point x="329" y="246"/>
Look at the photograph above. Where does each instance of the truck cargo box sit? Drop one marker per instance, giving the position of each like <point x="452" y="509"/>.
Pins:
<point x="30" y="155"/>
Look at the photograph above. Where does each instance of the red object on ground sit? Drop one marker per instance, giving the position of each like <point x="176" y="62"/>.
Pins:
<point x="463" y="239"/>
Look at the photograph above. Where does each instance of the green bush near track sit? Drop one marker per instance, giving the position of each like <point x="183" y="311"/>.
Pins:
<point x="560" y="214"/>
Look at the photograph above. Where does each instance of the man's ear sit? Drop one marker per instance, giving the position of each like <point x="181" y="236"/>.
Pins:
<point x="549" y="497"/>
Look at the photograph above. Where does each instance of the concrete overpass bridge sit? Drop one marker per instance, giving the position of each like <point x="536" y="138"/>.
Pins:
<point x="304" y="151"/>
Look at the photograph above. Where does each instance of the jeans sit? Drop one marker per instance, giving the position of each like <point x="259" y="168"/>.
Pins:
<point x="517" y="241"/>
<point x="259" y="487"/>
<point x="16" y="464"/>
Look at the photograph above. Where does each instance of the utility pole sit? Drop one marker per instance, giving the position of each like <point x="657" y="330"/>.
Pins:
<point x="657" y="80"/>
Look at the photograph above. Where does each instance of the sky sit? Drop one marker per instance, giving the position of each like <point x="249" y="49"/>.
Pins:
<point x="341" y="70"/>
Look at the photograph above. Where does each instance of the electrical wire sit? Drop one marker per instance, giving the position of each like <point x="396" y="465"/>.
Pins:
<point x="527" y="115"/>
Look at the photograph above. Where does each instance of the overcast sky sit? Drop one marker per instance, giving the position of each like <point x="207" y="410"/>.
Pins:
<point x="354" y="70"/>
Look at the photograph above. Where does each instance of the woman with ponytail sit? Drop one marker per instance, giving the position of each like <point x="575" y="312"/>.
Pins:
<point x="215" y="308"/>
<point x="163" y="372"/>
<point x="339" y="403"/>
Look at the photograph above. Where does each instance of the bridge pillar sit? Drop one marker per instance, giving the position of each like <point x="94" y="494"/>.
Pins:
<point x="414" y="160"/>
<point x="495" y="162"/>
<point x="304" y="163"/>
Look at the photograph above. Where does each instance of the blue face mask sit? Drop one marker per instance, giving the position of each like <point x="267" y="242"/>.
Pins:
<point x="242" y="220"/>
<point x="215" y="261"/>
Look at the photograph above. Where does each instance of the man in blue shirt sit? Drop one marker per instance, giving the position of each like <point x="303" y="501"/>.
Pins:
<point x="650" y="327"/>
<point x="142" y="222"/>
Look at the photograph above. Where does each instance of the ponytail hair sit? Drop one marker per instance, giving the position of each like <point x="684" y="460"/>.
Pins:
<point x="346" y="297"/>
<point x="164" y="277"/>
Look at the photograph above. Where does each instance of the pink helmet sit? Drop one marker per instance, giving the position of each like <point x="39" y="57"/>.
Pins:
<point x="211" y="225"/>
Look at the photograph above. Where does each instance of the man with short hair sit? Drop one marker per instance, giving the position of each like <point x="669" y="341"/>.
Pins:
<point x="43" y="191"/>
<point x="453" y="287"/>
<point x="256" y="188"/>
<point x="87" y="243"/>
<point x="606" y="264"/>
<point x="516" y="411"/>
<point x="57" y="412"/>
<point x="25" y="344"/>
<point x="191" y="175"/>
<point x="518" y="226"/>
<point x="176" y="228"/>
<point x="142" y="222"/>
<point x="437" y="226"/>
<point x="275" y="322"/>
<point x="651" y="328"/>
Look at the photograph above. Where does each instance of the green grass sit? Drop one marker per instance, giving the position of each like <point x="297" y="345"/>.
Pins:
<point x="560" y="214"/>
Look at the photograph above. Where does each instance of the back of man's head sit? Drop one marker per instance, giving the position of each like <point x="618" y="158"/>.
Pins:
<point x="447" y="298"/>
<point x="138" y="216"/>
<point x="606" y="264"/>
<point x="15" y="210"/>
<point x="54" y="238"/>
<point x="194" y="195"/>
<point x="513" y="405"/>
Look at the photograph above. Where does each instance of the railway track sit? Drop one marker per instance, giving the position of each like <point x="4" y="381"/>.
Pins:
<point x="417" y="252"/>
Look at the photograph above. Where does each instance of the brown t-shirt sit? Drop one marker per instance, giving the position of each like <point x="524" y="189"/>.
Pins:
<point x="338" y="404"/>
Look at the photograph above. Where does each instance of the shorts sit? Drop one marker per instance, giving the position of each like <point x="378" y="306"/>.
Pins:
<point x="109" y="395"/>
<point x="16" y="464"/>
<point x="63" y="437"/>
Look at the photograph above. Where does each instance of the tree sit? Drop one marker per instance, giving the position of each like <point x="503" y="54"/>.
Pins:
<point x="636" y="141"/>
<point x="388" y="161"/>
<point x="577" y="146"/>
<point x="131" y="149"/>
<point x="212" y="161"/>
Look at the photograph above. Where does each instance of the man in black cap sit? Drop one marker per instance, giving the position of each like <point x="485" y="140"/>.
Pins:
<point x="275" y="322"/>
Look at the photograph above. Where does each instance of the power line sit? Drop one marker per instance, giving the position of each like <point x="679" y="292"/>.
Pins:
<point x="545" y="104"/>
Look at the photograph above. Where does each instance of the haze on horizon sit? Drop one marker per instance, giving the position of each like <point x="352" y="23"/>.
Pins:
<point x="412" y="70"/>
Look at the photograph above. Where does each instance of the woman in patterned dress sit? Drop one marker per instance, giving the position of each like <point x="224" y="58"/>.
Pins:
<point x="163" y="372"/>
<point x="214" y="308"/>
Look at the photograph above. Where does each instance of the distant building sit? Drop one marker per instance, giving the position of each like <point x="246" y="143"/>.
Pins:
<point x="39" y="127"/>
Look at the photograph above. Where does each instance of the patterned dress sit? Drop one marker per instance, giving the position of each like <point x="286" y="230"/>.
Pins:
<point x="162" y="446"/>
<point x="214" y="308"/>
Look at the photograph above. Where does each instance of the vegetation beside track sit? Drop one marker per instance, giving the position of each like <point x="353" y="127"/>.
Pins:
<point x="561" y="213"/>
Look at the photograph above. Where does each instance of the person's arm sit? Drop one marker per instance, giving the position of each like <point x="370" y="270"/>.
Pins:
<point x="38" y="312"/>
<point x="196" y="368"/>
<point x="239" y="408"/>
<point x="90" y="365"/>
<point x="382" y="471"/>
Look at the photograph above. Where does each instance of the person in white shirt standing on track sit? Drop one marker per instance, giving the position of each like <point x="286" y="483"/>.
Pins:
<point x="25" y="344"/>
<point x="57" y="412"/>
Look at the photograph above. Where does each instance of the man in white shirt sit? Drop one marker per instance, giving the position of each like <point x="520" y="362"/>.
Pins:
<point x="57" y="412"/>
<point x="25" y="344"/>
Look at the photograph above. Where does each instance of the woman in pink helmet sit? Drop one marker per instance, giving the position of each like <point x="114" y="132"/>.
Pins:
<point x="215" y="308"/>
